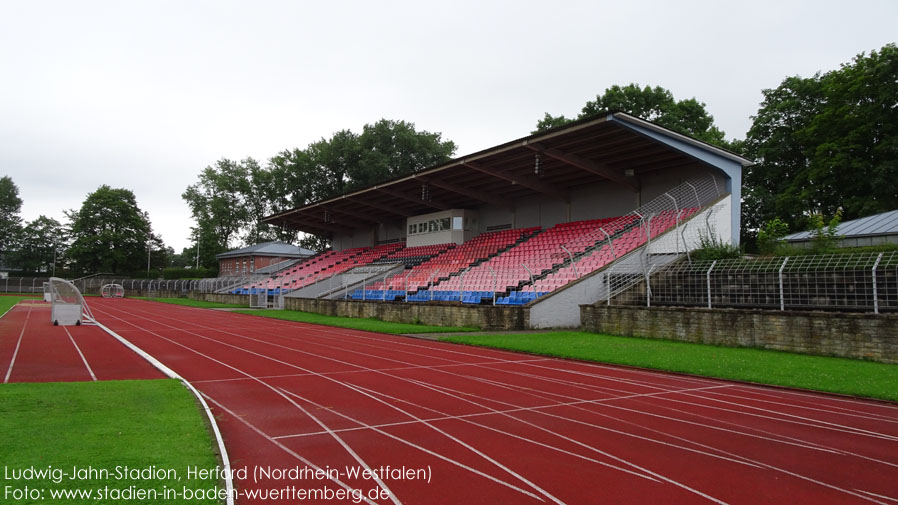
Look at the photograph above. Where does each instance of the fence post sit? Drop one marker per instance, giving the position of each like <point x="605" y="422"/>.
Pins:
<point x="611" y="245"/>
<point x="648" y="287"/>
<point x="565" y="249"/>
<point x="875" y="297"/>
<point x="529" y="272"/>
<point x="708" y="277"/>
<point x="782" y="298"/>
<point x="495" y="281"/>
<point x="676" y="222"/>
<point x="698" y="200"/>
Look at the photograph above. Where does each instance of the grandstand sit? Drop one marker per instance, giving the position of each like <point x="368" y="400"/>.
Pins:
<point x="530" y="222"/>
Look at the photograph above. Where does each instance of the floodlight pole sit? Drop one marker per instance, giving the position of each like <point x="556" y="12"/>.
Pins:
<point x="148" y="255"/>
<point x="54" y="262"/>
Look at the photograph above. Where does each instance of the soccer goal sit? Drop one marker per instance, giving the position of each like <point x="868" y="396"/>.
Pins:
<point x="47" y="292"/>
<point x="258" y="298"/>
<point x="68" y="306"/>
<point x="112" y="291"/>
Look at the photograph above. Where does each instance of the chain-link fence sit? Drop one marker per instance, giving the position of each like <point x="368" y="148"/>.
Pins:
<point x="855" y="281"/>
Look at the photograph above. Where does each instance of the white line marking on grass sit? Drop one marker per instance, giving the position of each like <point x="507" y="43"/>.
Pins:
<point x="15" y="353"/>
<point x="91" y="372"/>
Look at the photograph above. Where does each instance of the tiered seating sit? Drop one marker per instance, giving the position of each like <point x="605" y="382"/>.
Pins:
<point x="629" y="240"/>
<point x="540" y="253"/>
<point x="410" y="257"/>
<point x="453" y="260"/>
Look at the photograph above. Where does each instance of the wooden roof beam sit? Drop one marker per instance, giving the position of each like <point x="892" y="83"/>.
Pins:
<point x="357" y="215"/>
<point x="590" y="166"/>
<point x="436" y="204"/>
<point x="473" y="193"/>
<point x="527" y="181"/>
<point x="386" y="208"/>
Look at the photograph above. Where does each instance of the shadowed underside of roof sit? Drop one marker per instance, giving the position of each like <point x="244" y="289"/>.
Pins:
<point x="587" y="152"/>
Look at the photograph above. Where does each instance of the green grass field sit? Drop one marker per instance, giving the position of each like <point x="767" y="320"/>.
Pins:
<point x="7" y="301"/>
<point x="836" y="375"/>
<point x="355" y="323"/>
<point x="102" y="425"/>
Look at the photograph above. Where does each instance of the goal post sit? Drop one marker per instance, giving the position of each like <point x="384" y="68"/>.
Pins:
<point x="47" y="297"/>
<point x="68" y="307"/>
<point x="258" y="298"/>
<point x="112" y="291"/>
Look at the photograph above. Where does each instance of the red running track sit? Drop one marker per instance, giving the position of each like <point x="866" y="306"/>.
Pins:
<point x="33" y="350"/>
<point x="496" y="427"/>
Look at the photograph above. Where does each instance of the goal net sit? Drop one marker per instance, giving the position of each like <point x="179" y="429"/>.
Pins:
<point x="258" y="299"/>
<point x="112" y="291"/>
<point x="68" y="306"/>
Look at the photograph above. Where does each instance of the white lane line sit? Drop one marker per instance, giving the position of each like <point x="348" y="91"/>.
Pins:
<point x="592" y="386"/>
<point x="806" y="420"/>
<point x="581" y="444"/>
<point x="343" y="372"/>
<point x="888" y="416"/>
<point x="15" y="353"/>
<point x="302" y="409"/>
<point x="817" y="423"/>
<point x="353" y="388"/>
<point x="400" y="378"/>
<point x="363" y="426"/>
<point x="283" y="447"/>
<point x="83" y="359"/>
<point x="716" y="384"/>
<point x="222" y="451"/>
<point x="870" y="417"/>
<point x="771" y="467"/>
<point x="884" y="497"/>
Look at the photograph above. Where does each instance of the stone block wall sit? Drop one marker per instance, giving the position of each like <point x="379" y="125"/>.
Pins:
<point x="220" y="298"/>
<point x="862" y="336"/>
<point x="439" y="314"/>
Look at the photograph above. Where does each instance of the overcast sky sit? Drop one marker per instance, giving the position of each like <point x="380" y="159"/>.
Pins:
<point x="144" y="95"/>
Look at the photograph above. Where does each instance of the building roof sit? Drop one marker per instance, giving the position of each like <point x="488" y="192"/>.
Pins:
<point x="879" y="224"/>
<point x="281" y="249"/>
<point x="616" y="147"/>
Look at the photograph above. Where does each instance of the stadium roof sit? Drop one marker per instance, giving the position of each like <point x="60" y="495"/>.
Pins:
<point x="616" y="147"/>
<point x="280" y="249"/>
<point x="879" y="224"/>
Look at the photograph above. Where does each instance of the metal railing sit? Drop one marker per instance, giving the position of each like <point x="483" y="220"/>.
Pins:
<point x="854" y="281"/>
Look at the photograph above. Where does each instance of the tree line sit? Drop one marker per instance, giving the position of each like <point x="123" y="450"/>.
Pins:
<point x="109" y="233"/>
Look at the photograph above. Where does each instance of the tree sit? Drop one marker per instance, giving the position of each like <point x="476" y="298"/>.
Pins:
<point x="109" y="233"/>
<point x="10" y="208"/>
<point x="231" y="198"/>
<point x="42" y="243"/>
<point x="826" y="143"/>
<point x="652" y="104"/>
<point x="218" y="204"/>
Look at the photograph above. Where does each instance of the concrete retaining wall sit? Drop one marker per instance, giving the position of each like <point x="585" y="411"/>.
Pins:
<point x="433" y="313"/>
<point x="862" y="336"/>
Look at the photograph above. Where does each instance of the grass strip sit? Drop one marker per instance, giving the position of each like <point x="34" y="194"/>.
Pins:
<point x="194" y="303"/>
<point x="355" y="323"/>
<point x="7" y="302"/>
<point x="106" y="425"/>
<point x="821" y="373"/>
